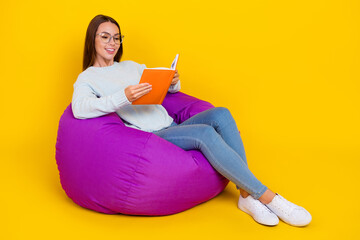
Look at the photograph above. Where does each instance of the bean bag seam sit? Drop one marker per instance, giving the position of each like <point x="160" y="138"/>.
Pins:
<point x="135" y="171"/>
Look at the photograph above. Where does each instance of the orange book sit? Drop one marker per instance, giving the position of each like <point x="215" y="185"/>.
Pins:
<point x="160" y="80"/>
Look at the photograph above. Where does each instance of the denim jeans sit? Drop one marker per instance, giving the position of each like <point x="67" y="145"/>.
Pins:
<point x="215" y="134"/>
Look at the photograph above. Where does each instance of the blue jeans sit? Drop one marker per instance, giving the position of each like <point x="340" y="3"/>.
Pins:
<point x="215" y="134"/>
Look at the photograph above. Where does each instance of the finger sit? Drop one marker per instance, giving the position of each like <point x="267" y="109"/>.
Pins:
<point x="141" y="85"/>
<point x="140" y="88"/>
<point x="140" y="94"/>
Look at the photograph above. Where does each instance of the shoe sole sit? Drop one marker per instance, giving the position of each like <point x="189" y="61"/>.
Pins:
<point x="249" y="213"/>
<point x="298" y="225"/>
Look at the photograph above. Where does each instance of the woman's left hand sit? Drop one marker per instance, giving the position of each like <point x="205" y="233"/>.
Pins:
<point x="175" y="78"/>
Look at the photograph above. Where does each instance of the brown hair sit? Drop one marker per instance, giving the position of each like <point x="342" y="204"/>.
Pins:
<point x="89" y="49"/>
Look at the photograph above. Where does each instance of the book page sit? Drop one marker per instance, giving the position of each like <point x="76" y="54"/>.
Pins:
<point x="174" y="63"/>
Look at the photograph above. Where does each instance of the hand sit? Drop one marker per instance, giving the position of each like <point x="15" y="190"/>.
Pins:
<point x="134" y="92"/>
<point x="175" y="78"/>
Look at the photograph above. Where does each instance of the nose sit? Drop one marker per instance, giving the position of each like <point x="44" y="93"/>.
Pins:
<point x="111" y="41"/>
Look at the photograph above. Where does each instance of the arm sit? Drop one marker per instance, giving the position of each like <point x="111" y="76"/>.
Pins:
<point x="85" y="103"/>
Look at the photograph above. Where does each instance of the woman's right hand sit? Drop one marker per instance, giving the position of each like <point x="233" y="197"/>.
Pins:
<point x="134" y="92"/>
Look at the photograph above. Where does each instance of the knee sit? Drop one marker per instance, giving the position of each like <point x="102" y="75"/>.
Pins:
<point x="222" y="111"/>
<point x="221" y="115"/>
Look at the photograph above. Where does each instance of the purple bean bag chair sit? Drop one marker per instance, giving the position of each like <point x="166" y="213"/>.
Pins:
<point x="110" y="168"/>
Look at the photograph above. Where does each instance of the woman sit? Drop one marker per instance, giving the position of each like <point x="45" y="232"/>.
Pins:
<point x="107" y="85"/>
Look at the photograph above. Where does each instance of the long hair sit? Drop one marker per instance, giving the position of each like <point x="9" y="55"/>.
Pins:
<point x="89" y="48"/>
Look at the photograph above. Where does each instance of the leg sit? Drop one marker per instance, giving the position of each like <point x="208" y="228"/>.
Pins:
<point x="220" y="155"/>
<point x="229" y="163"/>
<point x="223" y="122"/>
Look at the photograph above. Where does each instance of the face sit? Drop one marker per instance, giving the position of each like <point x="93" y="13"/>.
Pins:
<point x="106" y="52"/>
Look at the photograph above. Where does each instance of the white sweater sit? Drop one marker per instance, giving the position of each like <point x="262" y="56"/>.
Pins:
<point x="101" y="90"/>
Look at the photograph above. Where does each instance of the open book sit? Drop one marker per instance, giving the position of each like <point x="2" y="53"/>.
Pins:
<point x="160" y="80"/>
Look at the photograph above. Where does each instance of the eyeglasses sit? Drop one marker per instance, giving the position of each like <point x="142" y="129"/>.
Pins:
<point x="106" y="38"/>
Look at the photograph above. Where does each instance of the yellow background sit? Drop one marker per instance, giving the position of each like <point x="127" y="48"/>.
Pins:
<point x="287" y="70"/>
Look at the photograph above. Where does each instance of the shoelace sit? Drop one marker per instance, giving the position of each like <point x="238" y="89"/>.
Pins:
<point x="287" y="206"/>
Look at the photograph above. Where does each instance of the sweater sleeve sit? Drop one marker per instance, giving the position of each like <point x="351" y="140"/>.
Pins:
<point x="174" y="88"/>
<point x="86" y="104"/>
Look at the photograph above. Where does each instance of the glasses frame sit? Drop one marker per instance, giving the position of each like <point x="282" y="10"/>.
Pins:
<point x="111" y="37"/>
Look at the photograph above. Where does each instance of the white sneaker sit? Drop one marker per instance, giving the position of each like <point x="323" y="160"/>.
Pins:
<point x="258" y="211"/>
<point x="289" y="212"/>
